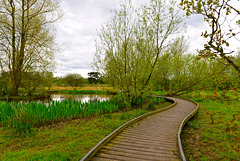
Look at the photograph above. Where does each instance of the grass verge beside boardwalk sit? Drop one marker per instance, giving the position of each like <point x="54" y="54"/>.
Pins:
<point x="66" y="140"/>
<point x="214" y="133"/>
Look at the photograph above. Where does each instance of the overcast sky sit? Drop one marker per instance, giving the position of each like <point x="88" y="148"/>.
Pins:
<point x="78" y="29"/>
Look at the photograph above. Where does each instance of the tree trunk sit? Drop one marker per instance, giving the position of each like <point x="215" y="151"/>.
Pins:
<point x="13" y="72"/>
<point x="15" y="87"/>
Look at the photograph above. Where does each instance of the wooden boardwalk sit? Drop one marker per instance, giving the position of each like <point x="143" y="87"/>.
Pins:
<point x="153" y="138"/>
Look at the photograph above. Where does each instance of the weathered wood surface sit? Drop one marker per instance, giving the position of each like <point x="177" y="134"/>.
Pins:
<point x="153" y="138"/>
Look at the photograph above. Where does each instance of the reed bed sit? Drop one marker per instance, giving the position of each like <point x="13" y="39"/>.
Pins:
<point x="23" y="116"/>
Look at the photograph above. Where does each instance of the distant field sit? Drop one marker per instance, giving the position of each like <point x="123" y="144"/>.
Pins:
<point x="90" y="88"/>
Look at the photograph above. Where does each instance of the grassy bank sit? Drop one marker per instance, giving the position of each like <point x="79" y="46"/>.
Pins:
<point x="88" y="89"/>
<point x="214" y="133"/>
<point x="85" y="88"/>
<point x="83" y="92"/>
<point x="65" y="140"/>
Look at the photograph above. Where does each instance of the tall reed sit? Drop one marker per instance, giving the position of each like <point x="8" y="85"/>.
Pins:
<point x="23" y="116"/>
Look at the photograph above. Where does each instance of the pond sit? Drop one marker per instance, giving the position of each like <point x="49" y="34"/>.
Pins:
<point x="80" y="97"/>
<point x="73" y="97"/>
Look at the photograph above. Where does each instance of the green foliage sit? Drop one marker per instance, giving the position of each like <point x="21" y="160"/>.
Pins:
<point x="130" y="101"/>
<point x="4" y="87"/>
<point x="122" y="101"/>
<point x="22" y="117"/>
<point x="150" y="107"/>
<point x="31" y="81"/>
<point x="132" y="42"/>
<point x="20" y="121"/>
<point x="27" y="42"/>
<point x="74" y="80"/>
<point x="94" y="77"/>
<point x="218" y="15"/>
<point x="180" y="73"/>
<point x="213" y="134"/>
<point x="125" y="116"/>
<point x="59" y="81"/>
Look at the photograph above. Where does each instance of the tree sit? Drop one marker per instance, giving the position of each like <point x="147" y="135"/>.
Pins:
<point x="94" y="77"/>
<point x="27" y="37"/>
<point x="4" y="85"/>
<point x="59" y="81"/>
<point x="33" y="80"/>
<point x="131" y="44"/>
<point x="218" y="15"/>
<point x="74" y="80"/>
<point x="183" y="72"/>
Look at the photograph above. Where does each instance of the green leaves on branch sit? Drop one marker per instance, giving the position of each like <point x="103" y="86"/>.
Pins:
<point x="130" y="45"/>
<point x="218" y="15"/>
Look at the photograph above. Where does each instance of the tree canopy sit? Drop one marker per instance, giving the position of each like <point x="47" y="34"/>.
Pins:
<point x="131" y="44"/>
<point x="27" y="37"/>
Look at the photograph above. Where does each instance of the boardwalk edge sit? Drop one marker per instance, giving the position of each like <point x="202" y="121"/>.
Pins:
<point x="185" y="120"/>
<point x="108" y="138"/>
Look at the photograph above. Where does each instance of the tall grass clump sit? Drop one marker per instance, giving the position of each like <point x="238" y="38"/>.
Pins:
<point x="23" y="116"/>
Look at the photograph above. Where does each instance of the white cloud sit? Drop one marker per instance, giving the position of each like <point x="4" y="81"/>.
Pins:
<point x="195" y="26"/>
<point x="77" y="31"/>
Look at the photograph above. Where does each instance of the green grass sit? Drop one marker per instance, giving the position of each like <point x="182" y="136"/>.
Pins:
<point x="23" y="116"/>
<point x="214" y="133"/>
<point x="65" y="140"/>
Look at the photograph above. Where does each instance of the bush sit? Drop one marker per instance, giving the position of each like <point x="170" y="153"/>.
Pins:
<point x="122" y="101"/>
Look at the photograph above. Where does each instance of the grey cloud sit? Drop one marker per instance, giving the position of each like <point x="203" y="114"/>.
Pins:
<point x="77" y="31"/>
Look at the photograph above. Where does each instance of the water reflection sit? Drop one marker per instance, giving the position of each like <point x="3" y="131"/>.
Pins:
<point x="73" y="97"/>
<point x="79" y="97"/>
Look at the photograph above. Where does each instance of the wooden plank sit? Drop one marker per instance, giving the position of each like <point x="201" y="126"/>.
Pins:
<point x="151" y="132"/>
<point x="138" y="156"/>
<point x="146" y="141"/>
<point x="147" y="138"/>
<point x="142" y="147"/>
<point x="162" y="134"/>
<point x="117" y="157"/>
<point x="145" y="145"/>
<point x="156" y="153"/>
<point x="165" y="144"/>
<point x="102" y="159"/>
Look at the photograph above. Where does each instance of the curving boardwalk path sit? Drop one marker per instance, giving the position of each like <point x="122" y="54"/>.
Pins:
<point x="153" y="138"/>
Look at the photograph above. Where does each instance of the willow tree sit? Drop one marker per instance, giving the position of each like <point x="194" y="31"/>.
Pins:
<point x="27" y="37"/>
<point x="131" y="43"/>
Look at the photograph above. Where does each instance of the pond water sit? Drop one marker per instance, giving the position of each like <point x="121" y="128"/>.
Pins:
<point x="79" y="97"/>
<point x="75" y="97"/>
